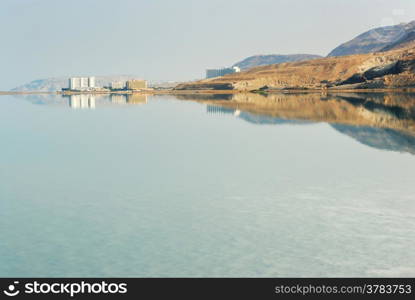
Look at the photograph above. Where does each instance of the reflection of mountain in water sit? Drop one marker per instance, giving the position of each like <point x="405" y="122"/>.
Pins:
<point x="375" y="103"/>
<point x="269" y="120"/>
<point x="380" y="138"/>
<point x="382" y="121"/>
<point x="42" y="99"/>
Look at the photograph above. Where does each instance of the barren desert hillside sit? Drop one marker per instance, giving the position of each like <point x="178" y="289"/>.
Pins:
<point x="391" y="69"/>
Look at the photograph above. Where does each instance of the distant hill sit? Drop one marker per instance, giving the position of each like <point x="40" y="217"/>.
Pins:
<point x="407" y="40"/>
<point x="378" y="39"/>
<point x="56" y="84"/>
<point x="263" y="60"/>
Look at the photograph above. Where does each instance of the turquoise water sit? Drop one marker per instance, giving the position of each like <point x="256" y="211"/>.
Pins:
<point x="167" y="187"/>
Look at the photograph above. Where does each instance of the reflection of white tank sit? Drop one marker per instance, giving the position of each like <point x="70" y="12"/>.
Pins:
<point x="91" y="102"/>
<point x="82" y="101"/>
<point x="74" y="101"/>
<point x="119" y="99"/>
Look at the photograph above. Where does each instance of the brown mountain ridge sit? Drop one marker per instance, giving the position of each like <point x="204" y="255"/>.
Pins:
<point x="380" y="70"/>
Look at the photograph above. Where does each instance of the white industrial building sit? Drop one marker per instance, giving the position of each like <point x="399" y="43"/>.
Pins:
<point x="81" y="83"/>
<point x="210" y="73"/>
<point x="118" y="85"/>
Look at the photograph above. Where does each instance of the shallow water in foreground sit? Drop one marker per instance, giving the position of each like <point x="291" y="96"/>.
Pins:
<point x="168" y="187"/>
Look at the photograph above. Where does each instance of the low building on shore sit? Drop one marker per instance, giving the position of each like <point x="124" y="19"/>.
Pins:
<point x="118" y="85"/>
<point x="210" y="73"/>
<point x="87" y="84"/>
<point x="136" y="84"/>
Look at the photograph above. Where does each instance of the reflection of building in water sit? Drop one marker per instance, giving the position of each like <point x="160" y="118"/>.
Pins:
<point x="219" y="110"/>
<point x="136" y="99"/>
<point x="82" y="101"/>
<point x="118" y="99"/>
<point x="89" y="100"/>
<point x="128" y="99"/>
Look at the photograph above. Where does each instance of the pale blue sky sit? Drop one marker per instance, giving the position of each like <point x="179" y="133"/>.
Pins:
<point x="173" y="40"/>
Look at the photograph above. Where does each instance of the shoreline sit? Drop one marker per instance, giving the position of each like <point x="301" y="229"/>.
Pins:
<point x="177" y="92"/>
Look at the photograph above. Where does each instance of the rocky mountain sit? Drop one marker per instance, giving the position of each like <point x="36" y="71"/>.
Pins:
<point x="408" y="39"/>
<point x="391" y="69"/>
<point x="378" y="39"/>
<point x="56" y="84"/>
<point x="263" y="60"/>
<point x="43" y="85"/>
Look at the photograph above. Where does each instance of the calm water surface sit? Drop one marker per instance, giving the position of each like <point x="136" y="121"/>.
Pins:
<point x="161" y="186"/>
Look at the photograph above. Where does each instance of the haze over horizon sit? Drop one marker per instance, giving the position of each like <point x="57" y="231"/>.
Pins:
<point x="176" y="40"/>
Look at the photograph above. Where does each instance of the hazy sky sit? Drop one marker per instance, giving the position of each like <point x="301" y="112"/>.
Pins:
<point x="173" y="40"/>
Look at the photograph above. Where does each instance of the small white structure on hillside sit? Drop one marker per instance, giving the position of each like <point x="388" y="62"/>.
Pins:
<point x="210" y="73"/>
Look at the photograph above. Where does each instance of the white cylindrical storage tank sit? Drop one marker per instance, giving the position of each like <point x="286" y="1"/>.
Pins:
<point x="91" y="82"/>
<point x="84" y="82"/>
